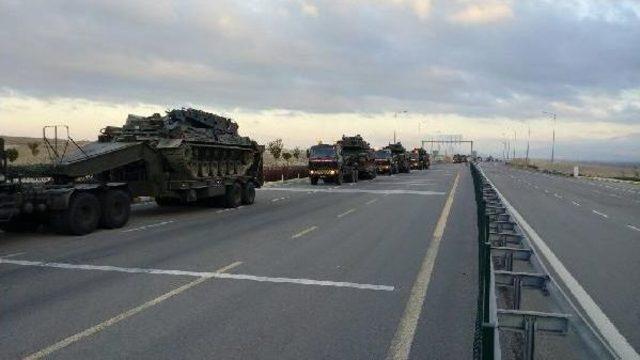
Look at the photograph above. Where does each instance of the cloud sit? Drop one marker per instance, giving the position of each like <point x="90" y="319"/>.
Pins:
<point x="484" y="12"/>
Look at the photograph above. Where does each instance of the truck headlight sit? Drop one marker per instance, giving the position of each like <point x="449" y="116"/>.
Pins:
<point x="310" y="171"/>
<point x="332" y="172"/>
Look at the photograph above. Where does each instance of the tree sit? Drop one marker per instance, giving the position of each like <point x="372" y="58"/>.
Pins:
<point x="296" y="153"/>
<point x="275" y="148"/>
<point x="12" y="154"/>
<point x="34" y="147"/>
<point x="286" y="156"/>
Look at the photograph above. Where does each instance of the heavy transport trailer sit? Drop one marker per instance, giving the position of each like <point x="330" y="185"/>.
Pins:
<point x="419" y="159"/>
<point x="358" y="154"/>
<point x="94" y="186"/>
<point x="401" y="157"/>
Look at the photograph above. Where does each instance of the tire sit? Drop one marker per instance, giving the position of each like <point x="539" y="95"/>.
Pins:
<point x="314" y="181"/>
<point x="355" y="176"/>
<point x="339" y="179"/>
<point x="233" y="196"/>
<point x="81" y="217"/>
<point x="116" y="209"/>
<point x="249" y="193"/>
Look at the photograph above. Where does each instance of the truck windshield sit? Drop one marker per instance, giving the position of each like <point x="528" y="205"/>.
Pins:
<point x="382" y="154"/>
<point x="322" y="152"/>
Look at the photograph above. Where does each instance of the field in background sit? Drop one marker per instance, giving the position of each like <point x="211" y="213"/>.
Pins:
<point x="591" y="169"/>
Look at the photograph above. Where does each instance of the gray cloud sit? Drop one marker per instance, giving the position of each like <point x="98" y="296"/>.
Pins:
<point x="342" y="56"/>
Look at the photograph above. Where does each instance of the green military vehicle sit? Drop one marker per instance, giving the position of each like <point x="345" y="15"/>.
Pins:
<point x="385" y="162"/>
<point x="401" y="157"/>
<point x="357" y="152"/>
<point x="184" y="156"/>
<point x="328" y="163"/>
<point x="419" y="159"/>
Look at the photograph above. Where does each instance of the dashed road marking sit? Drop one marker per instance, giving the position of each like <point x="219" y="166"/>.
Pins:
<point x="600" y="214"/>
<point x="118" y="318"/>
<point x="633" y="227"/>
<point x="576" y="203"/>
<point x="371" y="201"/>
<point x="304" y="232"/>
<point x="346" y="213"/>
<point x="147" y="227"/>
<point x="558" y="196"/>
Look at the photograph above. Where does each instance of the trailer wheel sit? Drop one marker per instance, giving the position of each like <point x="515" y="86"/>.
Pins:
<point x="116" y="209"/>
<point x="233" y="196"/>
<point x="82" y="216"/>
<point x="249" y="193"/>
<point x="339" y="179"/>
<point x="314" y="180"/>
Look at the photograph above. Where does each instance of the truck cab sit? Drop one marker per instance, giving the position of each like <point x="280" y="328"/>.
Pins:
<point x="326" y="162"/>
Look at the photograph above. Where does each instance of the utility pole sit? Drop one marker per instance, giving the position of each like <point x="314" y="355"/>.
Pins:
<point x="528" y="141"/>
<point x="553" y="139"/>
<point x="514" y="144"/>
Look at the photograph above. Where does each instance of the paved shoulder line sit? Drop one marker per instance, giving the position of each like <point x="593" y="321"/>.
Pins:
<point x="609" y="332"/>
<point x="403" y="338"/>
<point x="118" y="318"/>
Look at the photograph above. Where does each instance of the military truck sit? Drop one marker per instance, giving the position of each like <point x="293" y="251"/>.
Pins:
<point x="419" y="159"/>
<point x="385" y="162"/>
<point x="401" y="156"/>
<point x="183" y="156"/>
<point x="357" y="153"/>
<point x="328" y="163"/>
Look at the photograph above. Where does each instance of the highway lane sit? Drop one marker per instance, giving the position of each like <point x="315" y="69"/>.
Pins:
<point x="589" y="230"/>
<point x="310" y="272"/>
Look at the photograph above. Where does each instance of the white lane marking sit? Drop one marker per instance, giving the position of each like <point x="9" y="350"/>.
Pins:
<point x="536" y="186"/>
<point x="304" y="232"/>
<point x="558" y="196"/>
<point x="205" y="275"/>
<point x="546" y="191"/>
<point x="575" y="203"/>
<point x="371" y="201"/>
<point x="118" y="318"/>
<point x="403" y="339"/>
<point x="346" y="213"/>
<point x="278" y="199"/>
<point x="12" y="255"/>
<point x="606" y="328"/>
<point x="601" y="214"/>
<point x="633" y="227"/>
<point x="147" y="227"/>
<point x="350" y="191"/>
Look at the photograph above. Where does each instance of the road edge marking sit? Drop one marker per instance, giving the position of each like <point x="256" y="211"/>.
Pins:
<point x="122" y="316"/>
<point x="608" y="331"/>
<point x="403" y="339"/>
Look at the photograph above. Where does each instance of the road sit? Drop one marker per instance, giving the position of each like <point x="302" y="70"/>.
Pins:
<point x="373" y="270"/>
<point x="593" y="227"/>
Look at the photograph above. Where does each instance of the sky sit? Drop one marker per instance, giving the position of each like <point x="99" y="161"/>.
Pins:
<point x="308" y="71"/>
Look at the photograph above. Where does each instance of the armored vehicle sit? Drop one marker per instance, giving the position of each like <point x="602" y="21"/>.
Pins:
<point x="184" y="156"/>
<point x="327" y="162"/>
<point x="357" y="152"/>
<point x="401" y="156"/>
<point x="385" y="162"/>
<point x="420" y="159"/>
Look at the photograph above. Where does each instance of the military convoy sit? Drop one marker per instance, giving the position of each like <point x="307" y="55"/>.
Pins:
<point x="184" y="156"/>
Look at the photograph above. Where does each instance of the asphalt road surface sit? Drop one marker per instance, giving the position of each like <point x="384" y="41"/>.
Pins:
<point x="593" y="227"/>
<point x="373" y="270"/>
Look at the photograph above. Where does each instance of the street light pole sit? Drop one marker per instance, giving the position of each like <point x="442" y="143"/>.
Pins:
<point x="553" y="139"/>
<point x="395" y="116"/>
<point x="528" y="141"/>
<point x="514" y="144"/>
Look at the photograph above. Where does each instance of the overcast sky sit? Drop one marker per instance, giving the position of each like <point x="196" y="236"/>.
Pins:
<point x="309" y="70"/>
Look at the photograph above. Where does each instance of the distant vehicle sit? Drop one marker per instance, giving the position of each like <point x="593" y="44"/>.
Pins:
<point x="401" y="157"/>
<point x="184" y="156"/>
<point x="357" y="153"/>
<point x="385" y="162"/>
<point x="459" y="158"/>
<point x="420" y="159"/>
<point x="327" y="162"/>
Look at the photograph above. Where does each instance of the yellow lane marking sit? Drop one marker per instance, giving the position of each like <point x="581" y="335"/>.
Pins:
<point x="118" y="318"/>
<point x="346" y="213"/>
<point x="304" y="232"/>
<point x="403" y="338"/>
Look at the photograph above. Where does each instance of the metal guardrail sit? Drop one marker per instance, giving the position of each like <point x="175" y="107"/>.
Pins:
<point x="501" y="243"/>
